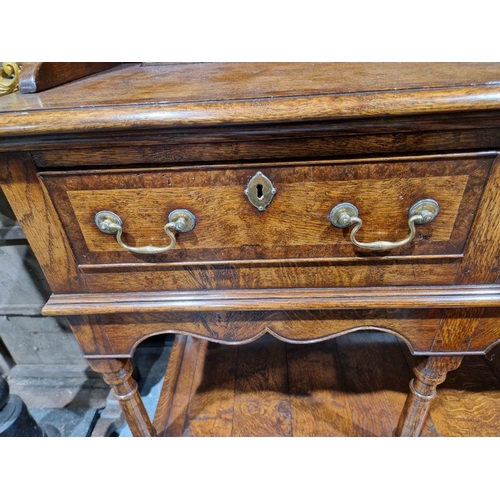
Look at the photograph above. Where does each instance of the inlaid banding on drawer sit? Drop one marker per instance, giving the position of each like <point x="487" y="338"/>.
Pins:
<point x="294" y="226"/>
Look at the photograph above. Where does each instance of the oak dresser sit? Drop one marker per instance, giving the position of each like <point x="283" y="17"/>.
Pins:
<point x="224" y="201"/>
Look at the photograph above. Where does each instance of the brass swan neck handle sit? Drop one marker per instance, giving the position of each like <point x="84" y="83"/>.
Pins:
<point x="180" y="220"/>
<point x="346" y="214"/>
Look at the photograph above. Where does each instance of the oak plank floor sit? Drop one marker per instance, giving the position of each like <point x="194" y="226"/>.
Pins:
<point x="354" y="385"/>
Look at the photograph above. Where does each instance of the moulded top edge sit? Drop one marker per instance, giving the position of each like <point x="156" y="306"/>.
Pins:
<point x="187" y="95"/>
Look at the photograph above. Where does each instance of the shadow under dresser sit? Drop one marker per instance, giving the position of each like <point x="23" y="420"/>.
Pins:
<point x="225" y="201"/>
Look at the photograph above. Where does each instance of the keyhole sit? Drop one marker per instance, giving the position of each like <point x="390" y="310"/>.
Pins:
<point x="260" y="191"/>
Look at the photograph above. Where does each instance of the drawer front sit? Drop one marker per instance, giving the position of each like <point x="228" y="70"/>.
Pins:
<point x="294" y="227"/>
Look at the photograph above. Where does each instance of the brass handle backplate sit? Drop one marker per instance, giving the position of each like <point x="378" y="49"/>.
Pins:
<point x="346" y="214"/>
<point x="180" y="220"/>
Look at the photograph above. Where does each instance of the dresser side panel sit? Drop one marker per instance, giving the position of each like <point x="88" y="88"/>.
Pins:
<point x="40" y="222"/>
<point x="463" y="329"/>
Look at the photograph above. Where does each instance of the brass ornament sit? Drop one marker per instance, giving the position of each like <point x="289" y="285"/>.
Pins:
<point x="180" y="220"/>
<point x="346" y="214"/>
<point x="260" y="191"/>
<point x="9" y="81"/>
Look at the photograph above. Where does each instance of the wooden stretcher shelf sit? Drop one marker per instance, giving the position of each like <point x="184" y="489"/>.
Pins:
<point x="333" y="388"/>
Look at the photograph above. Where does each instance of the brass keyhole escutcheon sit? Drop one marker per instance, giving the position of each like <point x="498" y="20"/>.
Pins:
<point x="260" y="191"/>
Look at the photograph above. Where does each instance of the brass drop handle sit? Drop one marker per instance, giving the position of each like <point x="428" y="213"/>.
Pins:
<point x="180" y="220"/>
<point x="346" y="214"/>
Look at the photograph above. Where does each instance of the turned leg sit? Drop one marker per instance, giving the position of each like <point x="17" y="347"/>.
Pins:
<point x="429" y="373"/>
<point x="118" y="374"/>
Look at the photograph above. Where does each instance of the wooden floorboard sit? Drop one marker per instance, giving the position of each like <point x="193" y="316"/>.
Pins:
<point x="354" y="385"/>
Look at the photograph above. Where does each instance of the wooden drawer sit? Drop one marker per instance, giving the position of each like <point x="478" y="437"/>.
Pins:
<point x="295" y="227"/>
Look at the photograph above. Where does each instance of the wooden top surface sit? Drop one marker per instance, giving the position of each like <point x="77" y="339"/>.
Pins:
<point x="202" y="82"/>
<point x="180" y="94"/>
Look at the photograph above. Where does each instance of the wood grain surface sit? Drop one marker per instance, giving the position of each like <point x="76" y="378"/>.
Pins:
<point x="261" y="403"/>
<point x="295" y="224"/>
<point x="210" y="411"/>
<point x="276" y="299"/>
<point x="231" y="81"/>
<point x="429" y="373"/>
<point x="118" y="335"/>
<point x="118" y="374"/>
<point x="194" y="353"/>
<point x="169" y="385"/>
<point x="467" y="403"/>
<point x="486" y="237"/>
<point x="36" y="77"/>
<point x="375" y="377"/>
<point x="332" y="138"/>
<point x="353" y="386"/>
<point x="36" y="213"/>
<point x="144" y="140"/>
<point x="146" y="97"/>
<point x="317" y="391"/>
<point x="488" y="329"/>
<point x="261" y="275"/>
<point x="481" y="264"/>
